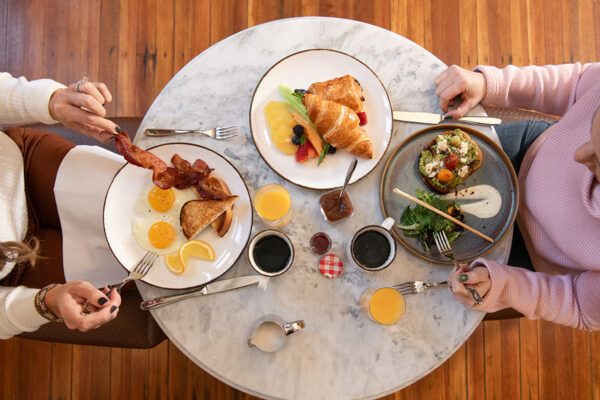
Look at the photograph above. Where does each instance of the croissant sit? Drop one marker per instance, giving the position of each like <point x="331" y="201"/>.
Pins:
<point x="338" y="125"/>
<point x="344" y="90"/>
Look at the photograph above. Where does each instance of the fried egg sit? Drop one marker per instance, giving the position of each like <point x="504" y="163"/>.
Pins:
<point x="156" y="225"/>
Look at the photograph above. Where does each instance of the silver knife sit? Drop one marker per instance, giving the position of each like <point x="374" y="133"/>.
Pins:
<point x="211" y="288"/>
<point x="432" y="119"/>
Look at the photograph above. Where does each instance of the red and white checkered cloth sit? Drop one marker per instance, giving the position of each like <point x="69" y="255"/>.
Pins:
<point x="330" y="266"/>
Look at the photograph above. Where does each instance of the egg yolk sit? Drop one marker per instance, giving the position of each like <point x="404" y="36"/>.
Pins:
<point x="160" y="199"/>
<point x="161" y="234"/>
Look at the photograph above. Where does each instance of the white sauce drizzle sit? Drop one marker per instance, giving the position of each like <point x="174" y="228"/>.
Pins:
<point x="488" y="200"/>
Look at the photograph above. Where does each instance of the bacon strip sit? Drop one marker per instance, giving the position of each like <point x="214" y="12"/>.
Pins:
<point x="182" y="175"/>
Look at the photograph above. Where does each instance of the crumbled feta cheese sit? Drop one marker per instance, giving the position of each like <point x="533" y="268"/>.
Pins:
<point x="463" y="171"/>
<point x="428" y="168"/>
<point x="464" y="149"/>
<point x="442" y="145"/>
<point x="463" y="160"/>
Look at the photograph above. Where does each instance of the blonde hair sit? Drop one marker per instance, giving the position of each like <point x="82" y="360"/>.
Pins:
<point x="19" y="252"/>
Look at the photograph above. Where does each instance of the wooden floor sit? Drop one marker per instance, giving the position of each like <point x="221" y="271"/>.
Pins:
<point x="135" y="47"/>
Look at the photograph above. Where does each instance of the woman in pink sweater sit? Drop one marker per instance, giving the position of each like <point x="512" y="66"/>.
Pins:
<point x="559" y="207"/>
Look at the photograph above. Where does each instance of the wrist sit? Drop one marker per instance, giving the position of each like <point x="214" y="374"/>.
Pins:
<point x="51" y="104"/>
<point x="45" y="303"/>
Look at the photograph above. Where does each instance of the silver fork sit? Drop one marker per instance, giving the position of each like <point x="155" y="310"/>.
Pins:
<point x="415" y="287"/>
<point x="220" y="132"/>
<point x="443" y="245"/>
<point x="139" y="271"/>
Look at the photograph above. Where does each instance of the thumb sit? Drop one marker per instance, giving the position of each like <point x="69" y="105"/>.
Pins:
<point x="475" y="276"/>
<point x="461" y="110"/>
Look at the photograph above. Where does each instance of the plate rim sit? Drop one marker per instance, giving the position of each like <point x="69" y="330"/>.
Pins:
<point x="243" y="247"/>
<point x="333" y="51"/>
<point x="481" y="136"/>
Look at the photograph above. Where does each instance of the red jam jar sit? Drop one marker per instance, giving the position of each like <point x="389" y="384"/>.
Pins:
<point x="320" y="243"/>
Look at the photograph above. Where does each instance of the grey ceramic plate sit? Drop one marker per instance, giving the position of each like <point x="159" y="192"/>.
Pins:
<point x="401" y="172"/>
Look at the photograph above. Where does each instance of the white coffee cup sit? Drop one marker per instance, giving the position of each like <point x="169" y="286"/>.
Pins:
<point x="384" y="230"/>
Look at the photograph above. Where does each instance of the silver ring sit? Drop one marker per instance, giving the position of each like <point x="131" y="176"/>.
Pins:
<point x="82" y="81"/>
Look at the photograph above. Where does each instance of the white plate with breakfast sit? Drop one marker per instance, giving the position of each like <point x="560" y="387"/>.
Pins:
<point x="315" y="110"/>
<point x="139" y="217"/>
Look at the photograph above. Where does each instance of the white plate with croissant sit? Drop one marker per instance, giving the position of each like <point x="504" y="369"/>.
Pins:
<point x="341" y="91"/>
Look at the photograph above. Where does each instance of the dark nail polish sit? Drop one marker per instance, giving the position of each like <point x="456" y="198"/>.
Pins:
<point x="113" y="308"/>
<point x="102" y="300"/>
<point x="463" y="277"/>
<point x="117" y="129"/>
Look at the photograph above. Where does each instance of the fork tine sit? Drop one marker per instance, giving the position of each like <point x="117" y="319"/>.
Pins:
<point x="406" y="292"/>
<point x="226" y="135"/>
<point x="225" y="129"/>
<point x="145" y="263"/>
<point x="403" y="285"/>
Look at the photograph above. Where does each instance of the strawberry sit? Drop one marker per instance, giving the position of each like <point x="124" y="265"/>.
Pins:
<point x="363" y="118"/>
<point x="302" y="152"/>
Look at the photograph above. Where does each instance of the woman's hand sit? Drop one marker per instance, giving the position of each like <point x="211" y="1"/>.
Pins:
<point x="73" y="302"/>
<point x="478" y="279"/>
<point x="83" y="110"/>
<point x="457" y="81"/>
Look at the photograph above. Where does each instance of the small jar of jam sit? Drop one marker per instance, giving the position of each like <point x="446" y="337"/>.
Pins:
<point x="334" y="207"/>
<point x="320" y="243"/>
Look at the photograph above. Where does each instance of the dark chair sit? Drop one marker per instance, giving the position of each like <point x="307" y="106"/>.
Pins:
<point x="133" y="328"/>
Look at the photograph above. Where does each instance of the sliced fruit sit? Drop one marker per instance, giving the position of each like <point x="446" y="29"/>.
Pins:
<point x="302" y="153"/>
<point x="310" y="133"/>
<point x="196" y="248"/>
<point x="311" y="151"/>
<point x="274" y="108"/>
<point x="362" y="116"/>
<point x="174" y="263"/>
<point x="282" y="138"/>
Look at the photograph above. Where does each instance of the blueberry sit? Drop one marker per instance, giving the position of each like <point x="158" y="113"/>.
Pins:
<point x="331" y="150"/>
<point x="298" y="130"/>
<point x="302" y="91"/>
<point x="296" y="140"/>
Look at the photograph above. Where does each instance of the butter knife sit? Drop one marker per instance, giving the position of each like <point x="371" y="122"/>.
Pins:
<point x="432" y="119"/>
<point x="211" y="288"/>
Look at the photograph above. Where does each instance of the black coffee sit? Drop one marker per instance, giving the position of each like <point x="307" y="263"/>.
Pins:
<point x="271" y="253"/>
<point x="371" y="249"/>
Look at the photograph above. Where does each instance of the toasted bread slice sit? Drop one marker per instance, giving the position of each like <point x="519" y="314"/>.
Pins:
<point x="198" y="214"/>
<point x="223" y="221"/>
<point x="437" y="186"/>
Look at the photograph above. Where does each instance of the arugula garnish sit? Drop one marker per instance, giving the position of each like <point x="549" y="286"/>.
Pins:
<point x="421" y="223"/>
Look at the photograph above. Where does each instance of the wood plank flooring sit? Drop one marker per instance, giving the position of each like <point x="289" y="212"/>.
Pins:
<point x="135" y="47"/>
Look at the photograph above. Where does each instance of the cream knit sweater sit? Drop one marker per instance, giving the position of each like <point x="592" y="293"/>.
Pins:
<point x="21" y="102"/>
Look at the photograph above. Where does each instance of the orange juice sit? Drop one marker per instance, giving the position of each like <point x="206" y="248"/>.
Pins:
<point x="273" y="204"/>
<point x="384" y="305"/>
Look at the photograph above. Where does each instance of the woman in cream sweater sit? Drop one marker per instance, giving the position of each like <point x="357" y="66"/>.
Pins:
<point x="29" y="160"/>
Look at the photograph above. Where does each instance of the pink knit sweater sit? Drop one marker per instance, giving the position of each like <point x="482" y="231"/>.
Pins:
<point x="559" y="208"/>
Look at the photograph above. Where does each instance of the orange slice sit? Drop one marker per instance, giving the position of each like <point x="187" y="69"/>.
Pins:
<point x="195" y="248"/>
<point x="174" y="263"/>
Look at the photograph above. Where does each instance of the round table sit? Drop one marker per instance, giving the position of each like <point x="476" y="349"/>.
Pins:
<point x="341" y="353"/>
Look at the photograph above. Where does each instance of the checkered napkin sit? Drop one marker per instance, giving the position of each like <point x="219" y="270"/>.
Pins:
<point x="330" y="266"/>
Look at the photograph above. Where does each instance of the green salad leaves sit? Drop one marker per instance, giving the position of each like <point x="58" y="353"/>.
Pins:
<point x="421" y="223"/>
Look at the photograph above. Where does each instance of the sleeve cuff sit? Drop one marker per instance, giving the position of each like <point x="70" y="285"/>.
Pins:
<point x="37" y="98"/>
<point x="492" y="82"/>
<point x="21" y="311"/>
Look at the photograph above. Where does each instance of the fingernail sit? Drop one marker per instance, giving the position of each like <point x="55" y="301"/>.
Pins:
<point x="463" y="277"/>
<point x="117" y="129"/>
<point x="102" y="300"/>
<point x="113" y="308"/>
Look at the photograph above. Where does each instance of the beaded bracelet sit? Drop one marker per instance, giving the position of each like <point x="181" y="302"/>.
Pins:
<point x="40" y="304"/>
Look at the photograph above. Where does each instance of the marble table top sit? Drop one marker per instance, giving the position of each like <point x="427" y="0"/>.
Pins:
<point x="340" y="354"/>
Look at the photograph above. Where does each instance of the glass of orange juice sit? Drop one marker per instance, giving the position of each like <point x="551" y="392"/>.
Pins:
<point x="273" y="205"/>
<point x="385" y="305"/>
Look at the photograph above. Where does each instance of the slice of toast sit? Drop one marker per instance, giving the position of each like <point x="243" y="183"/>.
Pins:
<point x="223" y="221"/>
<point x="441" y="188"/>
<point x="198" y="214"/>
